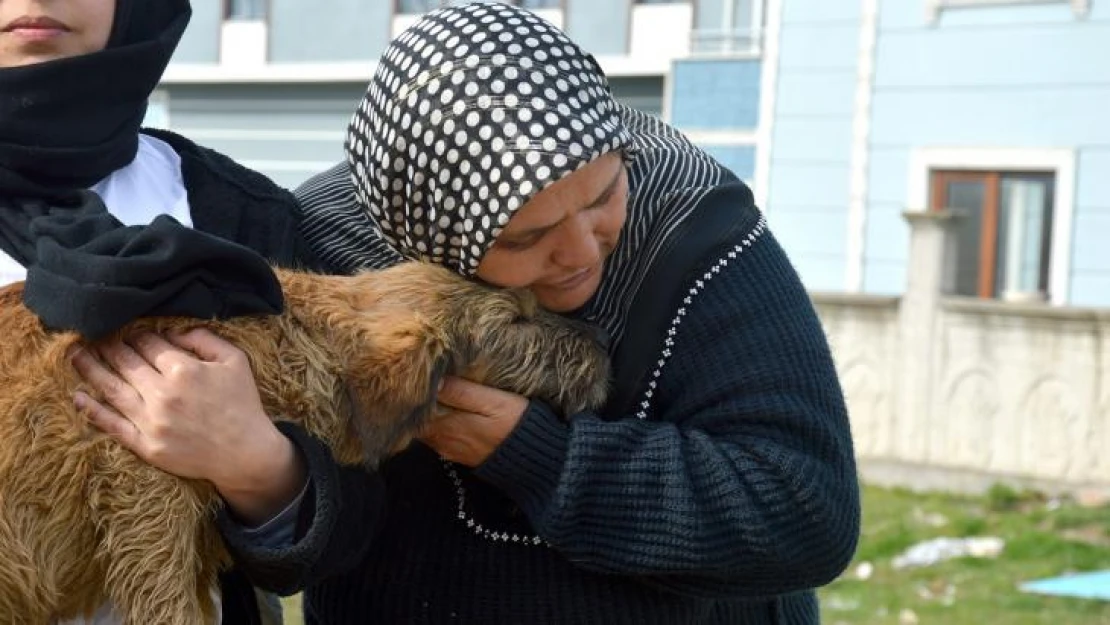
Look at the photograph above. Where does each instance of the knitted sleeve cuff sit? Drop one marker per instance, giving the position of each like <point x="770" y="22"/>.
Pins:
<point x="276" y="567"/>
<point x="528" y="464"/>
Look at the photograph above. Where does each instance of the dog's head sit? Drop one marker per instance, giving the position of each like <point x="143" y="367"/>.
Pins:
<point x="408" y="326"/>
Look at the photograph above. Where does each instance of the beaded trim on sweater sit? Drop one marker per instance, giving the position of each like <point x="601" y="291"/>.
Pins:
<point x="645" y="404"/>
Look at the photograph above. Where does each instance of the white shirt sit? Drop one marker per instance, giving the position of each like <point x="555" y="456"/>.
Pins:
<point x="149" y="186"/>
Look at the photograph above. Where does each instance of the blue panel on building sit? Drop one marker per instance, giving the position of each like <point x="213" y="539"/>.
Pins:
<point x="740" y="159"/>
<point x="807" y="185"/>
<point x="818" y="139"/>
<point x="829" y="93"/>
<point x="816" y="47"/>
<point x="1093" y="188"/>
<point x="811" y="232"/>
<point x="884" y="277"/>
<point x="819" y="272"/>
<point x="1040" y="56"/>
<point x="1090" y="289"/>
<point x="1027" y="117"/>
<point x="814" y="11"/>
<point x="715" y="94"/>
<point x="886" y="176"/>
<point x="887" y="234"/>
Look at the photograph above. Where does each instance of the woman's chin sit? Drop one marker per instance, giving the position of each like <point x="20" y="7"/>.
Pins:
<point x="568" y="300"/>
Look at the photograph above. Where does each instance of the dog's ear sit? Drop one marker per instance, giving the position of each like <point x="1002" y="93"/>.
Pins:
<point x="393" y="377"/>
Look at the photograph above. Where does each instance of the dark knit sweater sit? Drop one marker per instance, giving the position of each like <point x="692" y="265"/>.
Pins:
<point x="718" y="486"/>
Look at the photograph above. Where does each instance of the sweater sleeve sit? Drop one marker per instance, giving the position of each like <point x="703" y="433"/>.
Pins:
<point x="741" y="479"/>
<point x="334" y="492"/>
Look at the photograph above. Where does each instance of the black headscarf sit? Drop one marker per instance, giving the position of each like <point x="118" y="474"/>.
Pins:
<point x="67" y="124"/>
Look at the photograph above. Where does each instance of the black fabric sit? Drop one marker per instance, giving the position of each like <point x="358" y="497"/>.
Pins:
<point x="93" y="275"/>
<point x="717" y="226"/>
<point x="86" y="271"/>
<point x="68" y="123"/>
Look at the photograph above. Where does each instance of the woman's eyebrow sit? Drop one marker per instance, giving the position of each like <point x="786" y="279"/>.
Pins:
<point x="608" y="190"/>
<point x="598" y="201"/>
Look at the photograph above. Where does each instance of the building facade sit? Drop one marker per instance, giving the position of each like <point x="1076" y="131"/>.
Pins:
<point x="274" y="82"/>
<point x="841" y="115"/>
<point x="1000" y="109"/>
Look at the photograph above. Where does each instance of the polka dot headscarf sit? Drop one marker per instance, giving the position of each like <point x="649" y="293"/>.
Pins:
<point x="472" y="111"/>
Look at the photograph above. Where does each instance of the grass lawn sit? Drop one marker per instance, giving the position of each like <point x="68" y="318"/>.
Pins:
<point x="1043" y="539"/>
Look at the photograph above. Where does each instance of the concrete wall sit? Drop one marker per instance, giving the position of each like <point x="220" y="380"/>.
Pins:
<point x="961" y="393"/>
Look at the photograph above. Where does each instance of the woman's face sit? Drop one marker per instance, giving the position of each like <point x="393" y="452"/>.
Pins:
<point x="34" y="31"/>
<point x="557" y="243"/>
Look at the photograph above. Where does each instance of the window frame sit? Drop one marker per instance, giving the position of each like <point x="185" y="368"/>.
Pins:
<point x="1060" y="162"/>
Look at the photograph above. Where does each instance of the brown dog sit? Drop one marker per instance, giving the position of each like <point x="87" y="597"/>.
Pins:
<point x="83" y="520"/>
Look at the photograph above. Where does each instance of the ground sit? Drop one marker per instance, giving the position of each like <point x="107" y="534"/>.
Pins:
<point x="1043" y="537"/>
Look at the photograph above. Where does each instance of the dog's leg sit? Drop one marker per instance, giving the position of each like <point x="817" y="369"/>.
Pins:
<point x="22" y="599"/>
<point x="159" y="546"/>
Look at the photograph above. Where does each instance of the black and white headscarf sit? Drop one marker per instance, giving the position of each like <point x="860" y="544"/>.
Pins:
<point x="473" y="111"/>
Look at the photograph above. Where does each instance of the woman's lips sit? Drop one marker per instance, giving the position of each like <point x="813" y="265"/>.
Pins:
<point x="573" y="280"/>
<point x="36" y="28"/>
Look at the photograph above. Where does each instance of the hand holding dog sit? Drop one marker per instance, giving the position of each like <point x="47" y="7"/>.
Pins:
<point x="187" y="404"/>
<point x="477" y="421"/>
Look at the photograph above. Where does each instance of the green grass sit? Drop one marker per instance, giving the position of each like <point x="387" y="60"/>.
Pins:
<point x="1042" y="540"/>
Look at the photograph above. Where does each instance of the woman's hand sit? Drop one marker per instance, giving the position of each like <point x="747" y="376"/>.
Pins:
<point x="187" y="404"/>
<point x="477" y="421"/>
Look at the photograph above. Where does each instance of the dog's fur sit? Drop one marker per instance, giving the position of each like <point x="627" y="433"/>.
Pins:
<point x="83" y="520"/>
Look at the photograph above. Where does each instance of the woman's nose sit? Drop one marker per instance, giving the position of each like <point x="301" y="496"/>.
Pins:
<point x="578" y="247"/>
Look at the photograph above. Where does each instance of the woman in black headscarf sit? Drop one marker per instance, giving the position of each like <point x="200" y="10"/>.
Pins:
<point x="79" y="182"/>
<point x="718" y="485"/>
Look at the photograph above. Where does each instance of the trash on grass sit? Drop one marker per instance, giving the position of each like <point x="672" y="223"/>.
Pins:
<point x="940" y="549"/>
<point x="864" y="571"/>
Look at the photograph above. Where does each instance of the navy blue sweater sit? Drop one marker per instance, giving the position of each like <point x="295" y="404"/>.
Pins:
<point x="718" y="486"/>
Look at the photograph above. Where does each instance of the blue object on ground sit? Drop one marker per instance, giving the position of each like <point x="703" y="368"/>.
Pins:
<point x="1094" y="585"/>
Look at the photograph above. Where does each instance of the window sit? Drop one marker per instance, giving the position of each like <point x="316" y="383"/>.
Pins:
<point x="252" y="10"/>
<point x="1004" y="238"/>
